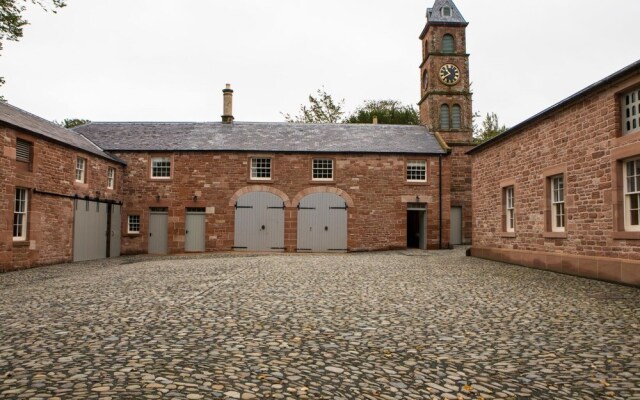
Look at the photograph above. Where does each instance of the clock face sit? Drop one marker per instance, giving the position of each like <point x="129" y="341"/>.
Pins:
<point x="449" y="74"/>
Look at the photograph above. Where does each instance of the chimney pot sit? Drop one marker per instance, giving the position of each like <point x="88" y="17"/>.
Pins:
<point x="227" y="94"/>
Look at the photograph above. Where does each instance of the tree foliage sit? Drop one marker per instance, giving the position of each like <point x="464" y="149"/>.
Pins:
<point x="12" y="21"/>
<point x="490" y="128"/>
<point x="72" y="122"/>
<point x="391" y="112"/>
<point x="322" y="109"/>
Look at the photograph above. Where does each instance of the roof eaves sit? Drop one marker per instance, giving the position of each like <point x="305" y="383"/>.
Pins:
<point x="628" y="70"/>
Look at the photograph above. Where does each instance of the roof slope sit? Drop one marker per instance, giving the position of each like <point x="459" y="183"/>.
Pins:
<point x="273" y="137"/>
<point x="434" y="14"/>
<point x="624" y="72"/>
<point x="40" y="126"/>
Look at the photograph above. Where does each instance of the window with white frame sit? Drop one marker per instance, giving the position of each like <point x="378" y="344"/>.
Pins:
<point x="510" y="209"/>
<point x="261" y="168"/>
<point x="631" y="112"/>
<point x="20" y="215"/>
<point x="161" y="167"/>
<point x="81" y="166"/>
<point x="446" y="11"/>
<point x="134" y="224"/>
<point x="322" y="170"/>
<point x="632" y="195"/>
<point x="557" y="204"/>
<point x="111" y="178"/>
<point x="416" y="171"/>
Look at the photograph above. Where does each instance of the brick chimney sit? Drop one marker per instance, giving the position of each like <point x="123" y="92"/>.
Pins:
<point x="227" y="116"/>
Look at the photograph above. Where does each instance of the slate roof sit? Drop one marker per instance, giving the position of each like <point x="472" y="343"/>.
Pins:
<point x="41" y="127"/>
<point x="434" y="14"/>
<point x="633" y="68"/>
<point x="264" y="137"/>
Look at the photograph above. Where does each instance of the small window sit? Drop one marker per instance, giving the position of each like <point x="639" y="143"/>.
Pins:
<point x="510" y="209"/>
<point x="444" y="117"/>
<point x="448" y="44"/>
<point x="20" y="215"/>
<point x="134" y="224"/>
<point x="81" y="166"/>
<point x="111" y="178"/>
<point x="23" y="151"/>
<point x="557" y="204"/>
<point x="446" y="11"/>
<point x="416" y="171"/>
<point x="161" y="167"/>
<point x="632" y="195"/>
<point x="631" y="112"/>
<point x="456" y="117"/>
<point x="261" y="168"/>
<point x="322" y="170"/>
<point x="425" y="80"/>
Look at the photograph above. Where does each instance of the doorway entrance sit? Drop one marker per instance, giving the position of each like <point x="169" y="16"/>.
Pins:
<point x="416" y="221"/>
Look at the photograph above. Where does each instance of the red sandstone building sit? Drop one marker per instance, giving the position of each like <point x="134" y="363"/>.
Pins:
<point x="160" y="188"/>
<point x="561" y="190"/>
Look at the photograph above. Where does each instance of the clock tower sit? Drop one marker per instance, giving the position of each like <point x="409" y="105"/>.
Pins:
<point x="445" y="106"/>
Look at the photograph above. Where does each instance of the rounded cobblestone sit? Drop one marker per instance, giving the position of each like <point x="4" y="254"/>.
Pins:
<point x="390" y="325"/>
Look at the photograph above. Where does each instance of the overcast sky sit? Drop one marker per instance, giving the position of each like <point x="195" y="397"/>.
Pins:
<point x="168" y="60"/>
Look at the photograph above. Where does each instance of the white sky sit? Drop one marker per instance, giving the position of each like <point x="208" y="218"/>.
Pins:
<point x="168" y="60"/>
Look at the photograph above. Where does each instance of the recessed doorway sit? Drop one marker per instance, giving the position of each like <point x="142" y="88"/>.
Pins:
<point x="416" y="222"/>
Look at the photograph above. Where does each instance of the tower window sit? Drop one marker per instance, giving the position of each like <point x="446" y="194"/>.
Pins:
<point x="456" y="119"/>
<point x="425" y="80"/>
<point x="446" y="11"/>
<point x="448" y="44"/>
<point x="444" y="117"/>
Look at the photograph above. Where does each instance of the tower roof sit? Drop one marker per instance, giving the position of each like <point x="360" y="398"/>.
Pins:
<point x="439" y="14"/>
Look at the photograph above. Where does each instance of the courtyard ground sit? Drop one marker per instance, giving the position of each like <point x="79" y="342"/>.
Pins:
<point x="392" y="325"/>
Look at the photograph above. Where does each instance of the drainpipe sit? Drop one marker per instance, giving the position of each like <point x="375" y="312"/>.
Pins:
<point x="440" y="202"/>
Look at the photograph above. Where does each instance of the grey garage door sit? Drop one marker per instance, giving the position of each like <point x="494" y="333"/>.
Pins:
<point x="90" y="222"/>
<point x="322" y="223"/>
<point x="259" y="222"/>
<point x="194" y="230"/>
<point x="158" y="227"/>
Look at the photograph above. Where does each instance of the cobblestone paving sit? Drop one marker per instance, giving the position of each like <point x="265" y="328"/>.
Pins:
<point x="397" y="325"/>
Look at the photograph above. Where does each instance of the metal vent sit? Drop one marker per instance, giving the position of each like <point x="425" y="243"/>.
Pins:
<point x="23" y="151"/>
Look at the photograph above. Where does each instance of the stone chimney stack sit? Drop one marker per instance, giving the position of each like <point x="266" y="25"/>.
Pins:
<point x="227" y="116"/>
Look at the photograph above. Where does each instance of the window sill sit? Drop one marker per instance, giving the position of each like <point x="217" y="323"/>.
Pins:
<point x="160" y="179"/>
<point x="131" y="235"/>
<point x="21" y="243"/>
<point x="312" y="182"/>
<point x="626" y="235"/>
<point x="261" y="182"/>
<point x="507" y="234"/>
<point x="409" y="183"/>
<point x="83" y="185"/>
<point x="554" y="235"/>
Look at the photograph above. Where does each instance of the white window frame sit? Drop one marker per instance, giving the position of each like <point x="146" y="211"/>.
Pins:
<point x="158" y="168"/>
<point x="415" y="169"/>
<point x="631" y="190"/>
<point x="510" y="208"/>
<point x="21" y="214"/>
<point x="630" y="104"/>
<point x="131" y="221"/>
<point x="260" y="165"/>
<point x="320" y="168"/>
<point x="444" y="13"/>
<point x="111" y="178"/>
<point x="558" y="211"/>
<point x="81" y="169"/>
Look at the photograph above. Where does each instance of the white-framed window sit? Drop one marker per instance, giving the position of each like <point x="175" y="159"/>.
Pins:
<point x="133" y="224"/>
<point x="631" y="112"/>
<point x="23" y="151"/>
<point x="161" y="167"/>
<point x="81" y="167"/>
<point x="417" y="171"/>
<point x="322" y="170"/>
<point x="557" y="204"/>
<point x="111" y="178"/>
<point x="20" y="215"/>
<point x="632" y="195"/>
<point x="510" y="209"/>
<point x="261" y="169"/>
<point x="446" y="11"/>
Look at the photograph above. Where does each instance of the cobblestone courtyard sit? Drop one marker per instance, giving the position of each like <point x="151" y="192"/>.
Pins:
<point x="397" y="325"/>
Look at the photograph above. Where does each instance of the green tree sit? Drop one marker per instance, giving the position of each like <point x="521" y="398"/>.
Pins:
<point x="322" y="109"/>
<point x="72" y="122"/>
<point x="12" y="21"/>
<point x="490" y="128"/>
<point x="391" y="112"/>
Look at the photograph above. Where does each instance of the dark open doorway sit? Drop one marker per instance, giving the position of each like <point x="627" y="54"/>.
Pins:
<point x="415" y="228"/>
